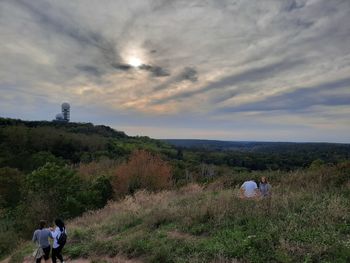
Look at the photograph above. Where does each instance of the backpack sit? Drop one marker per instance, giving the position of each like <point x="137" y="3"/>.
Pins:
<point x="62" y="239"/>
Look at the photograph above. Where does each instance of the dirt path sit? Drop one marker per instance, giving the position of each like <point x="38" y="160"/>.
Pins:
<point x="6" y="260"/>
<point x="117" y="259"/>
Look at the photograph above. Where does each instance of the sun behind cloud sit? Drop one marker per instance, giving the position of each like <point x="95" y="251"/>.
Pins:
<point x="135" y="61"/>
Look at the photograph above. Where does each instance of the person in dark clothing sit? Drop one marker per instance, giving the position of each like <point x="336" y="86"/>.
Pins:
<point x="41" y="237"/>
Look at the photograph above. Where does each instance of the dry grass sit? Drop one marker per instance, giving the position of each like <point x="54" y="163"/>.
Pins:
<point x="301" y="222"/>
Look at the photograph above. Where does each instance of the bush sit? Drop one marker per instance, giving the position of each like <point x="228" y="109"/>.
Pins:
<point x="143" y="171"/>
<point x="55" y="191"/>
<point x="8" y="241"/>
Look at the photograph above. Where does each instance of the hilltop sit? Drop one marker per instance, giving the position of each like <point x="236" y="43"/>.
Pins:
<point x="27" y="145"/>
<point x="85" y="128"/>
<point x="308" y="220"/>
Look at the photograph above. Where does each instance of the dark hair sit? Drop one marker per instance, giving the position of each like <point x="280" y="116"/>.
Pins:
<point x="42" y="224"/>
<point x="266" y="180"/>
<point x="60" y="224"/>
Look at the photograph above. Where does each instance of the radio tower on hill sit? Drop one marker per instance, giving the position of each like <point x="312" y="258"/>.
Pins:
<point x="64" y="116"/>
<point x="66" y="111"/>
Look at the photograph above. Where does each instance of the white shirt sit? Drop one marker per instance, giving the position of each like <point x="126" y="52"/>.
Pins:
<point x="249" y="188"/>
<point x="56" y="235"/>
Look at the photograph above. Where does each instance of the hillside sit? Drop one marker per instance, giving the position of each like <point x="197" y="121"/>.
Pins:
<point x="307" y="220"/>
<point x="85" y="128"/>
<point x="27" y="145"/>
<point x="59" y="170"/>
<point x="150" y="201"/>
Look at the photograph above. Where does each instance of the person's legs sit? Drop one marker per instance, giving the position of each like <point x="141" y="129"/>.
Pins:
<point x="46" y="256"/>
<point x="54" y="255"/>
<point x="59" y="254"/>
<point x="46" y="253"/>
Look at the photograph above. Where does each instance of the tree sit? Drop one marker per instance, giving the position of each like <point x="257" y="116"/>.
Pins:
<point x="53" y="187"/>
<point x="10" y="184"/>
<point x="143" y="171"/>
<point x="316" y="164"/>
<point x="56" y="191"/>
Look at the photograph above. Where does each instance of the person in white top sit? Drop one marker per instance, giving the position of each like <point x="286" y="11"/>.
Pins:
<point x="249" y="189"/>
<point x="56" y="247"/>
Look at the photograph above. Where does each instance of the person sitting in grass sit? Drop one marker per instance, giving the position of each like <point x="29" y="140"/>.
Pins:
<point x="249" y="189"/>
<point x="264" y="187"/>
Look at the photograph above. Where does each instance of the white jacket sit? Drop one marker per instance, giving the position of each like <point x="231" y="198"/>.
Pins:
<point x="56" y="235"/>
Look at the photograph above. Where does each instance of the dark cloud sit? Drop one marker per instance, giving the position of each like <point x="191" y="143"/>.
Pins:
<point x="157" y="71"/>
<point x="121" y="66"/>
<point x="294" y="5"/>
<point x="91" y="70"/>
<point x="188" y="73"/>
<point x="250" y="75"/>
<point x="160" y="72"/>
<point x="300" y="99"/>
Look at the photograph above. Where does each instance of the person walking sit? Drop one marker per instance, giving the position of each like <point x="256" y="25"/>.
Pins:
<point x="41" y="237"/>
<point x="59" y="235"/>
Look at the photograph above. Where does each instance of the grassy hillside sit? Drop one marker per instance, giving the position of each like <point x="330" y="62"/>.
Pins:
<point x="307" y="220"/>
<point x="52" y="169"/>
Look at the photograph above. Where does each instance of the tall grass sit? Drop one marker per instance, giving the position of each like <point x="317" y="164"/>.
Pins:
<point x="306" y="220"/>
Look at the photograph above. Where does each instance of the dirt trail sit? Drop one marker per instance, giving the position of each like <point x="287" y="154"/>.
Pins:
<point x="117" y="259"/>
<point x="6" y="260"/>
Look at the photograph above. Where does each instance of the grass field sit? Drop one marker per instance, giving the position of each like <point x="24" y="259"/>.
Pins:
<point x="307" y="220"/>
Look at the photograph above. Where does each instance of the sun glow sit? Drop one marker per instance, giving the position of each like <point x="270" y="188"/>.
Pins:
<point x="135" y="62"/>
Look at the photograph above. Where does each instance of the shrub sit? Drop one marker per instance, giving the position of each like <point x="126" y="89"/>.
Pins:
<point x="143" y="171"/>
<point x="55" y="191"/>
<point x="55" y="188"/>
<point x="8" y="241"/>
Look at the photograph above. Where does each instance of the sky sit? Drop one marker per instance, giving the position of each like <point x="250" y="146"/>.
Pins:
<point x="264" y="70"/>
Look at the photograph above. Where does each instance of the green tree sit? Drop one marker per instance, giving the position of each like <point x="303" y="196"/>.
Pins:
<point x="10" y="185"/>
<point x="52" y="189"/>
<point x="39" y="159"/>
<point x="316" y="164"/>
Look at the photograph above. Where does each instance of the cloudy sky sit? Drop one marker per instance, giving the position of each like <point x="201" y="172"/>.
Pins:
<point x="270" y="70"/>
